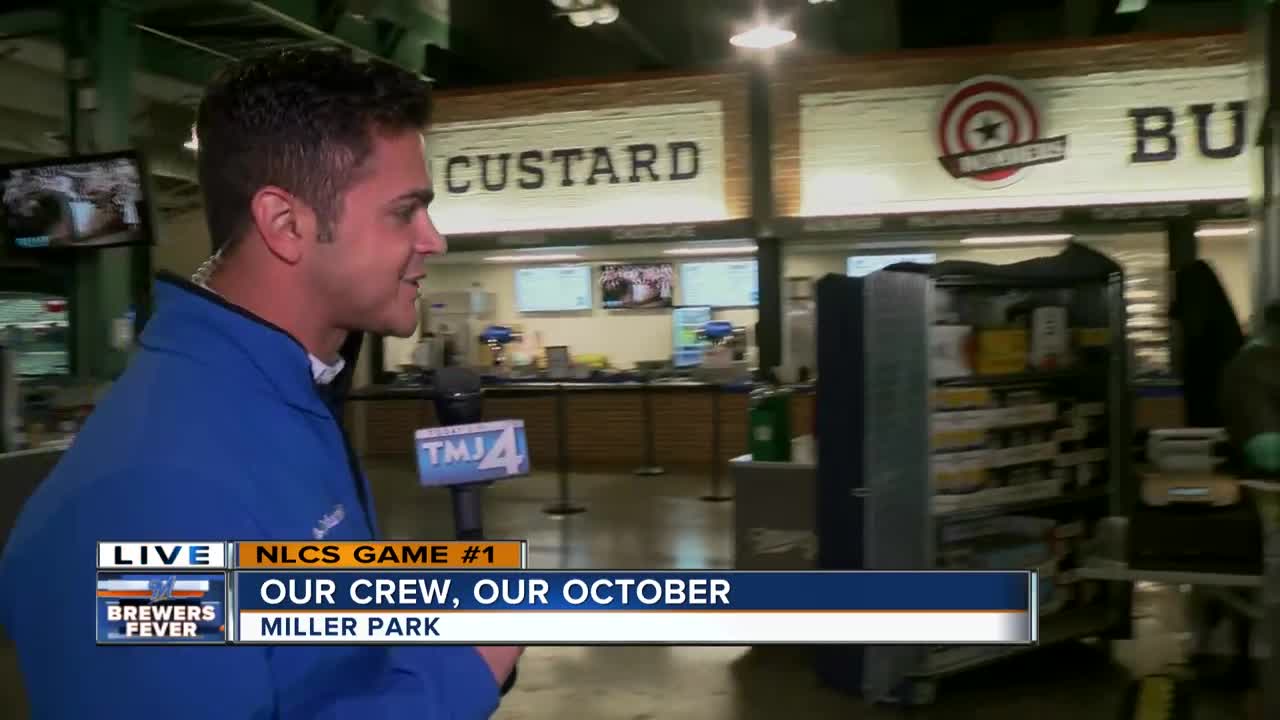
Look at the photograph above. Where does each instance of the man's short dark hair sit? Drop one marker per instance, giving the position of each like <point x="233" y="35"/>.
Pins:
<point x="303" y="121"/>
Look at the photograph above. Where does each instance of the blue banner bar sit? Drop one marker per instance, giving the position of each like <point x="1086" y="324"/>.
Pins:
<point x="630" y="590"/>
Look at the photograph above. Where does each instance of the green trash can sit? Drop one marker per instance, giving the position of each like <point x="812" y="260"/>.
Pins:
<point x="769" y="423"/>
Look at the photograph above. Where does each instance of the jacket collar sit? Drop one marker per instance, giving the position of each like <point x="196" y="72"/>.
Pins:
<point x="230" y="341"/>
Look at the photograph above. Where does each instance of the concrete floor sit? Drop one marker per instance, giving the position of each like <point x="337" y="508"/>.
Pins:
<point x="659" y="522"/>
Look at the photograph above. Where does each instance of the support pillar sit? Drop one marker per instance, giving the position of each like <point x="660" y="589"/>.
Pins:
<point x="769" y="253"/>
<point x="1263" y="23"/>
<point x="100" y="43"/>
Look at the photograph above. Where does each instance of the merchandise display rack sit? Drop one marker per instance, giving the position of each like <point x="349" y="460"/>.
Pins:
<point x="980" y="470"/>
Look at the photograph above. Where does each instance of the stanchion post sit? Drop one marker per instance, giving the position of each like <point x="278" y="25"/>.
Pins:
<point x="1270" y="699"/>
<point x="651" y="466"/>
<point x="564" y="504"/>
<point x="716" y="494"/>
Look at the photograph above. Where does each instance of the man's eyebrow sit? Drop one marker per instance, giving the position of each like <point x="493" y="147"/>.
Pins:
<point x="422" y="197"/>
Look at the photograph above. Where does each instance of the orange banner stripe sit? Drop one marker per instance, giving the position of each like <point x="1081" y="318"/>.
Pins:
<point x="147" y="594"/>
<point x="363" y="555"/>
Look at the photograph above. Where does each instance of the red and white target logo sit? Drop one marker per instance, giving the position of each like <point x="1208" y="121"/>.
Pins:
<point x="988" y="132"/>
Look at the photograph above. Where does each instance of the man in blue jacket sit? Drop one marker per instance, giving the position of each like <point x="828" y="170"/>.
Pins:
<point x="316" y="191"/>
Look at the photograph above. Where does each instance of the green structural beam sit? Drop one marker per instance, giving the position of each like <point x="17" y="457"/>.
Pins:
<point x="25" y="23"/>
<point x="169" y="56"/>
<point x="396" y="31"/>
<point x="427" y="29"/>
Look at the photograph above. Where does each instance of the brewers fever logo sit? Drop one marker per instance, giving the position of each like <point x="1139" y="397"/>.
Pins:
<point x="989" y="131"/>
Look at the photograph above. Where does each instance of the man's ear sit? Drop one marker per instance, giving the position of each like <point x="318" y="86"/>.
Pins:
<point x="285" y="223"/>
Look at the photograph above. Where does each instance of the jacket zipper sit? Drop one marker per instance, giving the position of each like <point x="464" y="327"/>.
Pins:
<point x="353" y="465"/>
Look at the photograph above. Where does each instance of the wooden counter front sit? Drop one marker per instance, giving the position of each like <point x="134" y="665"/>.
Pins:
<point x="605" y="424"/>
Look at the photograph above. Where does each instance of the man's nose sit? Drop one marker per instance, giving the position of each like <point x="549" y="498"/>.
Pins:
<point x="430" y="241"/>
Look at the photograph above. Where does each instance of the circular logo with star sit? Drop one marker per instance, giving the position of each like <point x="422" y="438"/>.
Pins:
<point x="989" y="131"/>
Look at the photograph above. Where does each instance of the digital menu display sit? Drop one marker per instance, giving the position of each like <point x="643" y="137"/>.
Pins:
<point x="861" y="265"/>
<point x="558" y="288"/>
<point x="686" y="323"/>
<point x="726" y="283"/>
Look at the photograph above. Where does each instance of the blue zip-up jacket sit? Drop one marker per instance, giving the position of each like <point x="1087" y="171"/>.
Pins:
<point x="215" y="431"/>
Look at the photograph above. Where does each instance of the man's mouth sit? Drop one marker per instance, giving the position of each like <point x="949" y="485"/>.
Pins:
<point x="415" y="281"/>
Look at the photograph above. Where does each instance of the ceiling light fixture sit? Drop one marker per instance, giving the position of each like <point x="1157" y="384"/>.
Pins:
<point x="550" y="257"/>
<point x="720" y="250"/>
<point x="585" y="13"/>
<point x="607" y="13"/>
<point x="1016" y="239"/>
<point x="762" y="37"/>
<point x="1210" y="232"/>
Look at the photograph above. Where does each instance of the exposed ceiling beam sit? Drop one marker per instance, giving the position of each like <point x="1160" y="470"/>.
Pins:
<point x="35" y="134"/>
<point x="182" y="61"/>
<point x="27" y="23"/>
<point x="160" y="87"/>
<point x="363" y="35"/>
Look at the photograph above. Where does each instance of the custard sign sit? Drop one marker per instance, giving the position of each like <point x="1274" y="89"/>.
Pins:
<point x="615" y="167"/>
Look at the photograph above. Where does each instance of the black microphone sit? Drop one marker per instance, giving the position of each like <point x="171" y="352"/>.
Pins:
<point x="458" y="399"/>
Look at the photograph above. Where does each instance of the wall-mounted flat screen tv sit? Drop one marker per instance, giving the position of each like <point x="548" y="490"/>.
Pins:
<point x="555" y="288"/>
<point x="722" y="283"/>
<point x="74" y="203"/>
<point x="37" y="327"/>
<point x="633" y="286"/>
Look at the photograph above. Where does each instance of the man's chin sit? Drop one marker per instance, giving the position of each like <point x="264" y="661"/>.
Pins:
<point x="400" y="330"/>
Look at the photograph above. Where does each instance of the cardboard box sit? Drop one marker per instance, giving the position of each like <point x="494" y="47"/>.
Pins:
<point x="949" y="351"/>
<point x="1001" y="352"/>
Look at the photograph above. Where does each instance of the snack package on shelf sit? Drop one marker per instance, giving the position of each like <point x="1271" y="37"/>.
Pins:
<point x="1001" y="351"/>
<point x="950" y="351"/>
<point x="1009" y="542"/>
<point x="960" y="472"/>
<point x="1007" y="553"/>
<point x="992" y="439"/>
<point x="962" y="398"/>
<point x="1050" y="338"/>
<point x="1019" y="526"/>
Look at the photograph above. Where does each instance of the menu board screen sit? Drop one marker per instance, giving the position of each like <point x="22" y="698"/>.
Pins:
<point x="728" y="283"/>
<point x="686" y="322"/>
<point x="860" y="265"/>
<point x="560" y="288"/>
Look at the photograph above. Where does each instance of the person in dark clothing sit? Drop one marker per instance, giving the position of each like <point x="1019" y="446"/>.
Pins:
<point x="1207" y="336"/>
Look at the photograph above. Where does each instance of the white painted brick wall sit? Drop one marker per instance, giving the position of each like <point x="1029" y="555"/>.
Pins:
<point x="873" y="150"/>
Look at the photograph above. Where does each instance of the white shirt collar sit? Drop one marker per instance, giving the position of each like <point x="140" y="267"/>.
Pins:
<point x="321" y="372"/>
